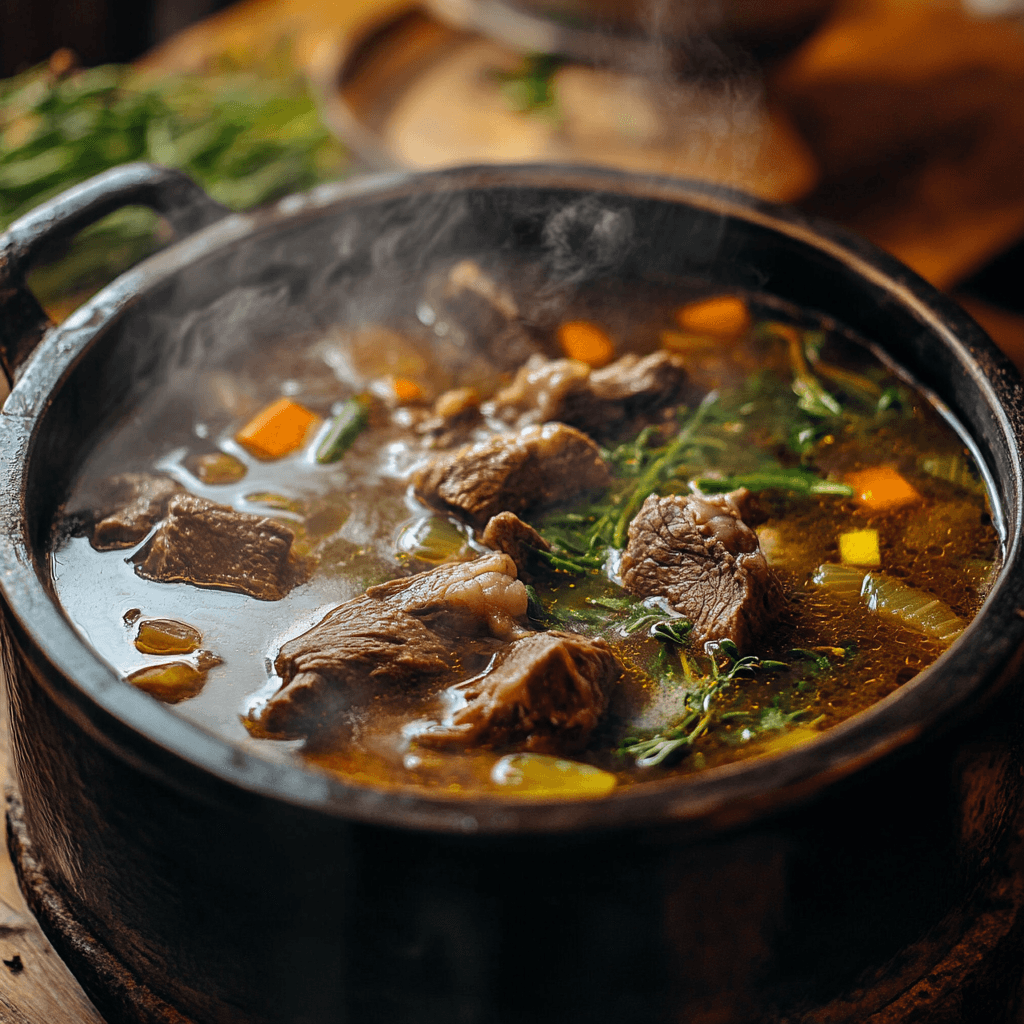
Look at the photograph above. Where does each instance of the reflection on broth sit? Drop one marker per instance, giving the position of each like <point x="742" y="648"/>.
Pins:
<point x="534" y="583"/>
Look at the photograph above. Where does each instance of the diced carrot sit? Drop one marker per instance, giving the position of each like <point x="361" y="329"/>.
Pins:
<point x="586" y="342"/>
<point x="407" y="390"/>
<point x="860" y="547"/>
<point x="278" y="430"/>
<point x="881" y="489"/>
<point x="722" y="316"/>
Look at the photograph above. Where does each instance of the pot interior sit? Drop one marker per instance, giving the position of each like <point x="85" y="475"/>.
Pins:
<point x="367" y="255"/>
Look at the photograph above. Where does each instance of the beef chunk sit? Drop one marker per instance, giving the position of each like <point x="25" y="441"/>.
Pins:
<point x="602" y="402"/>
<point x="396" y="634"/>
<point x="130" y="504"/>
<point x="706" y="562"/>
<point x="485" y="313"/>
<point x="520" y="541"/>
<point x="211" y="545"/>
<point x="512" y="472"/>
<point x="547" y="693"/>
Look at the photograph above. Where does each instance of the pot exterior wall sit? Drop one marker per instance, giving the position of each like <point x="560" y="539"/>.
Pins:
<point x="251" y="910"/>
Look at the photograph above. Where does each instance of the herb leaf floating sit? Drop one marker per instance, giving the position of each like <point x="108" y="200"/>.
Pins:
<point x="704" y="680"/>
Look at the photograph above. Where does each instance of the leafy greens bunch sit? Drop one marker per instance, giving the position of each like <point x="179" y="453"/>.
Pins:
<point x="247" y="136"/>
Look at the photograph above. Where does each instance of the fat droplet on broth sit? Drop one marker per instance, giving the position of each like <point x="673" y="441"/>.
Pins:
<point x="167" y="636"/>
<point x="171" y="682"/>
<point x="217" y="468"/>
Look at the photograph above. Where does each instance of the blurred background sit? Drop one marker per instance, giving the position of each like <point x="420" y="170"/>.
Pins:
<point x="901" y="119"/>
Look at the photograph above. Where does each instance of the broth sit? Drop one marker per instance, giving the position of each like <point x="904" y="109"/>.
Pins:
<point x="875" y="525"/>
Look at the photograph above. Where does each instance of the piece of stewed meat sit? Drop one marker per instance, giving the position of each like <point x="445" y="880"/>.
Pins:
<point x="602" y="403"/>
<point x="546" y="692"/>
<point x="455" y="617"/>
<point x="520" y="472"/>
<point x="699" y="554"/>
<point x="211" y="545"/>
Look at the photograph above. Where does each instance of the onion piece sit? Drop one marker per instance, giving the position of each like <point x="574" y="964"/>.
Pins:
<point x="842" y="580"/>
<point x="914" y="608"/>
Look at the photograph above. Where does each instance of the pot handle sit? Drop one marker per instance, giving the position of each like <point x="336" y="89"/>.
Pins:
<point x="170" y="193"/>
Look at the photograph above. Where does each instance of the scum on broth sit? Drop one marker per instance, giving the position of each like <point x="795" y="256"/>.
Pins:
<point x="827" y="658"/>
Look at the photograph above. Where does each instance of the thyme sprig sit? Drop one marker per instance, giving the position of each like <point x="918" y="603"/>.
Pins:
<point x="702" y="688"/>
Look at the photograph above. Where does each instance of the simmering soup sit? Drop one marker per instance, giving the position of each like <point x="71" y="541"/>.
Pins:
<point x="666" y="532"/>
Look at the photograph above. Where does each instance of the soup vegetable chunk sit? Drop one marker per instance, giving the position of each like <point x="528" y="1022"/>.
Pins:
<point x="630" y="547"/>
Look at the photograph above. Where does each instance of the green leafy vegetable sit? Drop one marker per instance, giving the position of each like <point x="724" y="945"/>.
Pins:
<point x="530" y="88"/>
<point x="799" y="480"/>
<point x="247" y="136"/>
<point x="659" y="469"/>
<point x="342" y="431"/>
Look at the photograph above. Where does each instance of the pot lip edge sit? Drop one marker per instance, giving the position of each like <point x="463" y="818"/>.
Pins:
<point x="694" y="803"/>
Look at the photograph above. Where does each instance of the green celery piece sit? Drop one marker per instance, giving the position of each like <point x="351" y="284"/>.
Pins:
<point x="342" y="431"/>
<point x="799" y="480"/>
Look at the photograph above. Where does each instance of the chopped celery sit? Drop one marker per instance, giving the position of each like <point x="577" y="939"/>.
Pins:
<point x="916" y="609"/>
<point x="342" y="431"/>
<point x="843" y="580"/>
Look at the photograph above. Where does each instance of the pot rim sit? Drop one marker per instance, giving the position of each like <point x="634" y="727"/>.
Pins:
<point x="186" y="755"/>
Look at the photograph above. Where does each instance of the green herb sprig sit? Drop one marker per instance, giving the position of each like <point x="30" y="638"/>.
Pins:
<point x="724" y="667"/>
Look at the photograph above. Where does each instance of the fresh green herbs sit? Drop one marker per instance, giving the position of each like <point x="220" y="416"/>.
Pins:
<point x="342" y="430"/>
<point x="530" y="88"/>
<point x="248" y="137"/>
<point x="659" y="470"/>
<point x="797" y="480"/>
<point x="703" y="681"/>
<point x="737" y="437"/>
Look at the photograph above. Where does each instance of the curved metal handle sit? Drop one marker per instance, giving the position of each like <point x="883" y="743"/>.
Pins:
<point x="170" y="193"/>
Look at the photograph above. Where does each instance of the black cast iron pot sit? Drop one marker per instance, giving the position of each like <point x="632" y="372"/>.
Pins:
<point x="869" y="872"/>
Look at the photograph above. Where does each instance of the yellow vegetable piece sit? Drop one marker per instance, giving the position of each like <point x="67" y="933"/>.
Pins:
<point x="170" y="683"/>
<point x="280" y="429"/>
<point x="167" y="636"/>
<point x="542" y="776"/>
<point x="407" y="390"/>
<point x="586" y="342"/>
<point x="860" y="547"/>
<point x="881" y="489"/>
<point x="789" y="739"/>
<point x="723" y="316"/>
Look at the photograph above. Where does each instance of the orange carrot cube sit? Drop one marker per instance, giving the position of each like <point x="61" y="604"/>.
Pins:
<point x="586" y="342"/>
<point x="722" y="316"/>
<point x="407" y="391"/>
<point x="278" y="430"/>
<point x="881" y="489"/>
